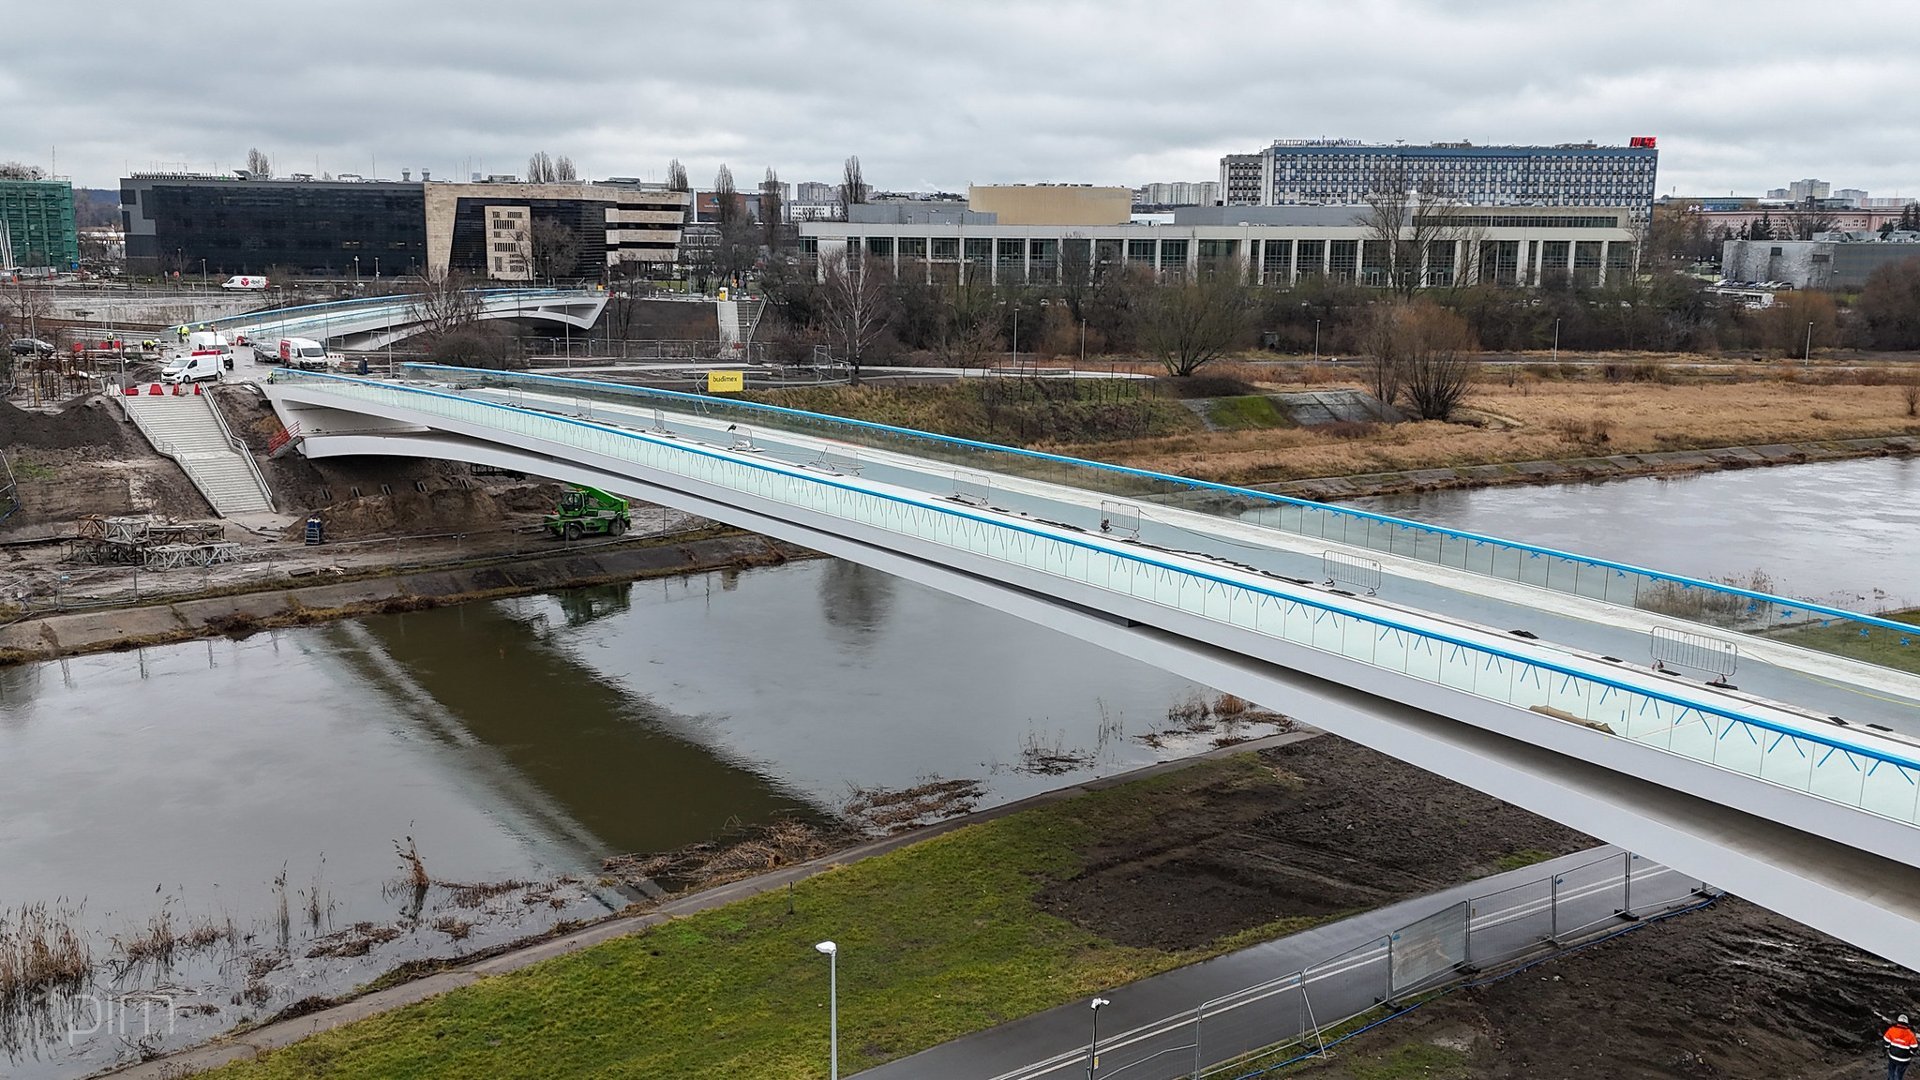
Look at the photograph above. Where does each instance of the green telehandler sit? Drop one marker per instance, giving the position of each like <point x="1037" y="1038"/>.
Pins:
<point x="586" y="511"/>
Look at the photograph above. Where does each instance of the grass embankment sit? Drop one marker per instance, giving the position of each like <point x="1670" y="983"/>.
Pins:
<point x="1877" y="646"/>
<point x="1009" y="411"/>
<point x="937" y="939"/>
<point x="1525" y="418"/>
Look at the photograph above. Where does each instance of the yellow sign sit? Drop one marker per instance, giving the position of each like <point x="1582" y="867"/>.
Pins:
<point x="721" y="382"/>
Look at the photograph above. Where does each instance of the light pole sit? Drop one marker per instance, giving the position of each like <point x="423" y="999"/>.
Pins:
<point x="1556" y="341"/>
<point x="1093" y="1044"/>
<point x="832" y="952"/>
<point x="356" y="273"/>
<point x="1316" y="340"/>
<point x="203" y="275"/>
<point x="1807" y="358"/>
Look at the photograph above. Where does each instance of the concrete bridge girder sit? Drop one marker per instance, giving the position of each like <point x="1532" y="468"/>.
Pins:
<point x="379" y="325"/>
<point x="1808" y="858"/>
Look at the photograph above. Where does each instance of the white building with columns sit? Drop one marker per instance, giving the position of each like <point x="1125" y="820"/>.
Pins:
<point x="1277" y="245"/>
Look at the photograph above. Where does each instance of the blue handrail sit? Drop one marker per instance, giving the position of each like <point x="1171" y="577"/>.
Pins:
<point x="1135" y="556"/>
<point x="1228" y="489"/>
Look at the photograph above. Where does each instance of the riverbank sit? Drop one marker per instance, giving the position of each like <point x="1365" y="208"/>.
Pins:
<point x="945" y="931"/>
<point x="1593" y="469"/>
<point x="288" y="602"/>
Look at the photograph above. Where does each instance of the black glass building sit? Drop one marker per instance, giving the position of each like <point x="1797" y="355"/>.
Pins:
<point x="305" y="227"/>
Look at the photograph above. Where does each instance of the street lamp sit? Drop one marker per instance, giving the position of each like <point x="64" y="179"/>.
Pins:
<point x="1807" y="359"/>
<point x="832" y="952"/>
<point x="1093" y="1044"/>
<point x="1316" y="339"/>
<point x="356" y="273"/>
<point x="1556" y="341"/>
<point x="376" y="272"/>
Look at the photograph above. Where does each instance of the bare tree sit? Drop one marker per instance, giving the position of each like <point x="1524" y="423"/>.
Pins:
<point x="855" y="305"/>
<point x="1807" y="218"/>
<point x="853" y="188"/>
<point x="548" y="249"/>
<point x="14" y="170"/>
<point x="1432" y="354"/>
<point x="444" y="301"/>
<point x="1412" y="229"/>
<point x="563" y="170"/>
<point x="541" y="169"/>
<point x="770" y="208"/>
<point x="726" y="202"/>
<point x="258" y="166"/>
<point x="677" y="176"/>
<point x="1188" y="324"/>
<point x="1380" y="337"/>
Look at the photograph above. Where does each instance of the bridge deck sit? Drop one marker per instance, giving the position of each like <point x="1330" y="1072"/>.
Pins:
<point x="1821" y="684"/>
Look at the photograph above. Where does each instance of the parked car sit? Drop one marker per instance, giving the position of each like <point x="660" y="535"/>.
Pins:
<point x="27" y="346"/>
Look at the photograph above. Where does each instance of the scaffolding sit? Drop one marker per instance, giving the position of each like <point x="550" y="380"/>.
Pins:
<point x="140" y="541"/>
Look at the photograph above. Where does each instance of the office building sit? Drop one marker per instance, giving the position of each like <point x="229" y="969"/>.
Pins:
<point x="1182" y="193"/>
<point x="37" y="217"/>
<point x="1272" y="245"/>
<point x="384" y="228"/>
<point x="1341" y="172"/>
<point x="1051" y="204"/>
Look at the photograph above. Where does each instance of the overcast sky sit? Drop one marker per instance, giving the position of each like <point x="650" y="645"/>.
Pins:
<point x="1743" y="96"/>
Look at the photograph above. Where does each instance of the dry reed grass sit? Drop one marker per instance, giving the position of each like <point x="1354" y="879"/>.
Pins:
<point x="40" y="953"/>
<point x="1533" y="423"/>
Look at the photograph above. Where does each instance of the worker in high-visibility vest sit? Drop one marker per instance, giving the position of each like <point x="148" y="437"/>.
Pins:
<point x="1900" y="1043"/>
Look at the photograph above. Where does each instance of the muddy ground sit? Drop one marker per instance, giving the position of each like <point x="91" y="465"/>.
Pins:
<point x="1733" y="991"/>
<point x="1345" y="829"/>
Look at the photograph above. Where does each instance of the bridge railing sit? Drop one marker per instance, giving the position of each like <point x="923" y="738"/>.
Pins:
<point x="328" y="308"/>
<point x="1858" y="769"/>
<point x="1714" y="603"/>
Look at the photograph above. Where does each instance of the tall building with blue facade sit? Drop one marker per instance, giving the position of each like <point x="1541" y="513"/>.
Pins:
<point x="1341" y="172"/>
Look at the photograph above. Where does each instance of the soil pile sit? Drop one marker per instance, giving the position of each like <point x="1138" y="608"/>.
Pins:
<point x="1350" y="828"/>
<point x="84" y="423"/>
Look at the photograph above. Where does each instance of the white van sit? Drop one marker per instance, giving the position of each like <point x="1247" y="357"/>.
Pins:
<point x="303" y="353"/>
<point x="193" y="367"/>
<point x="244" y="282"/>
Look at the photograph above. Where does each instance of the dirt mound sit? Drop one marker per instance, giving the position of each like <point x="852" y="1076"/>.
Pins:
<point x="1733" y="991"/>
<point x="84" y="423"/>
<point x="1351" y="828"/>
<point x="409" y="511"/>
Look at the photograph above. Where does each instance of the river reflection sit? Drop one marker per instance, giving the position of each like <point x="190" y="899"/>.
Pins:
<point x="523" y="738"/>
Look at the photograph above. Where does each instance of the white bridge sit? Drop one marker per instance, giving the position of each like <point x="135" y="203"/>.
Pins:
<point x="1658" y="712"/>
<point x="375" y="322"/>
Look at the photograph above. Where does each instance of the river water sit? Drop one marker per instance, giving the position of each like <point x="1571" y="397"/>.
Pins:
<point x="1844" y="532"/>
<point x="258" y="789"/>
<point x="522" y="740"/>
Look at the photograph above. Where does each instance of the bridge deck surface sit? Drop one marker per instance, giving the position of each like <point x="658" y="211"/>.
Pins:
<point x="1814" y="682"/>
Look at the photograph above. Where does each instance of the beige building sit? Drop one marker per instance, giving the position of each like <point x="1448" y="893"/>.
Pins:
<point x="1052" y="204"/>
<point x="499" y="231"/>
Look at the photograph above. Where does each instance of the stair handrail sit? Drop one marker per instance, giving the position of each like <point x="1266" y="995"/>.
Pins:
<point x="240" y="448"/>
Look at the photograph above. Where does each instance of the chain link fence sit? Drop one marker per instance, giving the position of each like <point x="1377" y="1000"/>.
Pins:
<point x="1294" y="1016"/>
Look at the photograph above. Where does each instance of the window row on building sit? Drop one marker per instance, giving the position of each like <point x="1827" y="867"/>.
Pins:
<point x="1277" y="255"/>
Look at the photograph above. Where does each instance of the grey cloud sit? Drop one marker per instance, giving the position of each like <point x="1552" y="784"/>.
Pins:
<point x="938" y="93"/>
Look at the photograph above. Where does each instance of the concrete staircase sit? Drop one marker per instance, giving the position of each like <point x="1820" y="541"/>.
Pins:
<point x="189" y="430"/>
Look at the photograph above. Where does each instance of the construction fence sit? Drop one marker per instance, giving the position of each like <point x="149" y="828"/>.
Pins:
<point x="1296" y="1016"/>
